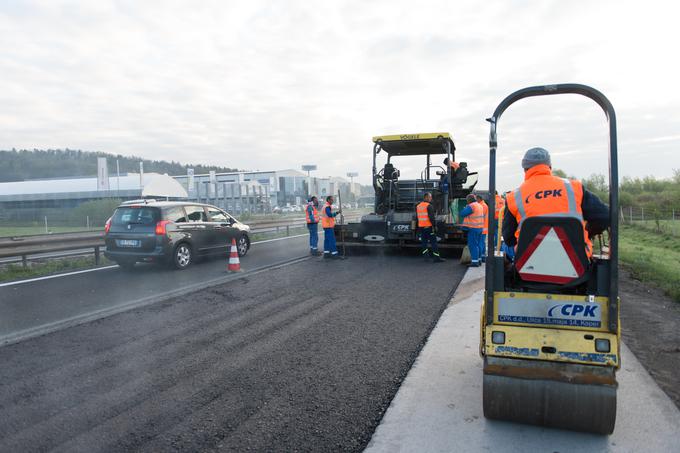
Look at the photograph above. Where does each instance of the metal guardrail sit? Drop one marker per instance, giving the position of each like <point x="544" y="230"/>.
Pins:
<point x="21" y="248"/>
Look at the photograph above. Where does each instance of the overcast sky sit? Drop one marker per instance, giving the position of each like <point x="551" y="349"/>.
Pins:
<point x="272" y="85"/>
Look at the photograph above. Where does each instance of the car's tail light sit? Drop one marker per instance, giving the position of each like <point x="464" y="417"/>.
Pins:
<point x="160" y="227"/>
<point x="107" y="227"/>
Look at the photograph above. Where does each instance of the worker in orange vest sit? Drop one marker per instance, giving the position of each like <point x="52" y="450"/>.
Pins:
<point x="500" y="206"/>
<point x="473" y="224"/>
<point x="312" y="218"/>
<point x="485" y="230"/>
<point x="541" y="193"/>
<point x="330" y="250"/>
<point x="426" y="225"/>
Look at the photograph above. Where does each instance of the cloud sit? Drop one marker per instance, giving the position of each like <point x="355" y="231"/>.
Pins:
<point x="257" y="84"/>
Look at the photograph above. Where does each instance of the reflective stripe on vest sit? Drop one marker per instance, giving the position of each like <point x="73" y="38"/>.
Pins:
<point x="327" y="222"/>
<point x="423" y="217"/>
<point x="572" y="209"/>
<point x="476" y="218"/>
<point x="315" y="214"/>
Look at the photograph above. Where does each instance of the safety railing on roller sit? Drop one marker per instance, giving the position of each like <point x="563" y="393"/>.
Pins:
<point x="22" y="249"/>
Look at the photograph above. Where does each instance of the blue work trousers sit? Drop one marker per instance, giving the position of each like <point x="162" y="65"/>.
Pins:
<point x="428" y="240"/>
<point x="482" y="245"/>
<point x="329" y="242"/>
<point x="473" y="241"/>
<point x="313" y="236"/>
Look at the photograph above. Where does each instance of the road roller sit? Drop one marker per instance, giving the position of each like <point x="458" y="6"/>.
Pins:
<point x="550" y="333"/>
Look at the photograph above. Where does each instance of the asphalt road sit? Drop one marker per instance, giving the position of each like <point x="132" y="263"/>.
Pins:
<point x="27" y="306"/>
<point x="299" y="358"/>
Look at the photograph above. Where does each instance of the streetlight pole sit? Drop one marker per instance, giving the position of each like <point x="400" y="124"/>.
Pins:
<point x="309" y="168"/>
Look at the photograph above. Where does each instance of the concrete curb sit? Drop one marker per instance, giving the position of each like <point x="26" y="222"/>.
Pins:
<point x="439" y="404"/>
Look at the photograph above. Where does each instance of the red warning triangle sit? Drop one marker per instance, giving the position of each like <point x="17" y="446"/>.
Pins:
<point x="550" y="258"/>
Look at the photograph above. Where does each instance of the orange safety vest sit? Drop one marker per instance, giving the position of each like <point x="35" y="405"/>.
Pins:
<point x="421" y="212"/>
<point x="500" y="205"/>
<point x="545" y="194"/>
<point x="327" y="222"/>
<point x="485" y="208"/>
<point x="476" y="219"/>
<point x="454" y="165"/>
<point x="315" y="214"/>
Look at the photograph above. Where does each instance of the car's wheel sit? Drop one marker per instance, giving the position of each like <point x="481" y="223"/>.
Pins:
<point x="182" y="256"/>
<point x="126" y="264"/>
<point x="242" y="245"/>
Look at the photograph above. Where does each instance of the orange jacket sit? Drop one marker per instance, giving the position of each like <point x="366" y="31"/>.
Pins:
<point x="545" y="194"/>
<point x="327" y="222"/>
<point x="423" y="217"/>
<point x="476" y="219"/>
<point x="315" y="215"/>
<point x="485" y="209"/>
<point x="500" y="205"/>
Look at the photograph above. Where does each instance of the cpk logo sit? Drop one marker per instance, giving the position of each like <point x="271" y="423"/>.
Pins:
<point x="543" y="194"/>
<point x="573" y="311"/>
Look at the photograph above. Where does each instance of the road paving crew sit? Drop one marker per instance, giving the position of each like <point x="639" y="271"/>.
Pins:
<point x="544" y="194"/>
<point x="473" y="224"/>
<point x="330" y="250"/>
<point x="426" y="225"/>
<point x="312" y="217"/>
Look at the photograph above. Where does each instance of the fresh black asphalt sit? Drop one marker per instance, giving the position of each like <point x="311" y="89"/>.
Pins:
<point x="306" y="357"/>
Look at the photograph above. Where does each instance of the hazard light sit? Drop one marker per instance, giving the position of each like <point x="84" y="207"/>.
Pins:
<point x="550" y="258"/>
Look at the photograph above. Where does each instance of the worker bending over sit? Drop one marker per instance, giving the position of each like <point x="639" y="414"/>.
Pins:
<point x="543" y="194"/>
<point x="426" y="224"/>
<point x="485" y="230"/>
<point x="330" y="250"/>
<point x="312" y="217"/>
<point x="473" y="224"/>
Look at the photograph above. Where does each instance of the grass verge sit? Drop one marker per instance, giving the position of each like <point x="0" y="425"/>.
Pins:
<point x="13" y="272"/>
<point x="652" y="257"/>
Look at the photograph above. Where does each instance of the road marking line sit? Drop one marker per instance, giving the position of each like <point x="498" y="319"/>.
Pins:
<point x="47" y="277"/>
<point x="55" y="326"/>
<point x="67" y="274"/>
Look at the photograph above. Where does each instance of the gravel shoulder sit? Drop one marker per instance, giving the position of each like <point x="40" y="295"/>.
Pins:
<point x="300" y="358"/>
<point x="650" y="327"/>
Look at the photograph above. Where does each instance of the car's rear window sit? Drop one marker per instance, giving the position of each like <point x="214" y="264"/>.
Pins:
<point x="135" y="215"/>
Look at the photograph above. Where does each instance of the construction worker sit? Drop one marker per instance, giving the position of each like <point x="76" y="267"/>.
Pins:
<point x="499" y="207"/>
<point x="312" y="217"/>
<point x="426" y="224"/>
<point x="485" y="230"/>
<point x="330" y="250"/>
<point x="545" y="194"/>
<point x="473" y="224"/>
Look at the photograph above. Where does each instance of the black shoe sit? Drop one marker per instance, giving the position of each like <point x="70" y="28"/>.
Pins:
<point x="314" y="252"/>
<point x="438" y="259"/>
<point x="337" y="256"/>
<point x="474" y="264"/>
<point x="326" y="255"/>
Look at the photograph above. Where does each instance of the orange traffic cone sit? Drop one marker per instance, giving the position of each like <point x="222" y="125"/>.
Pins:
<point x="234" y="263"/>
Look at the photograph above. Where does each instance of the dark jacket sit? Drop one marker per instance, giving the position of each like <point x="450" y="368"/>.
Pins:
<point x="595" y="212"/>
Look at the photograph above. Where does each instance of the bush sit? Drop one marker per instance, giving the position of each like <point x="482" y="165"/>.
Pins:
<point x="97" y="210"/>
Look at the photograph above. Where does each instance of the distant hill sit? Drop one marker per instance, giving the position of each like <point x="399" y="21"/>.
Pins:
<point x="24" y="164"/>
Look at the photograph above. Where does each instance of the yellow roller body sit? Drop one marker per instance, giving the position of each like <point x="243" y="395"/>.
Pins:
<point x="546" y="361"/>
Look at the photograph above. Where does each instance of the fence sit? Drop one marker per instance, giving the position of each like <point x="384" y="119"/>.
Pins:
<point x="660" y="220"/>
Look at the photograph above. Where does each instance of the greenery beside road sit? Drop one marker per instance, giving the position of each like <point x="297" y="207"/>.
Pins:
<point x="652" y="257"/>
<point x="11" y="272"/>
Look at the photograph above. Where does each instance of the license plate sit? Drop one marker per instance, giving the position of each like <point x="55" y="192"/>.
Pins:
<point x="128" y="243"/>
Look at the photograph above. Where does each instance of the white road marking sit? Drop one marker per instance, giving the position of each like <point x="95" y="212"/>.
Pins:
<point x="67" y="274"/>
<point x="47" y="277"/>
